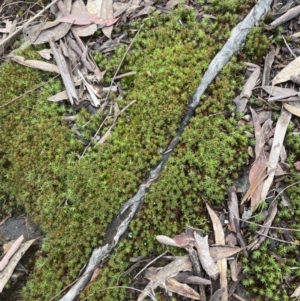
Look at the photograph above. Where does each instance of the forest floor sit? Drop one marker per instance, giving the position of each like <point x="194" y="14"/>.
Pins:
<point x="246" y="171"/>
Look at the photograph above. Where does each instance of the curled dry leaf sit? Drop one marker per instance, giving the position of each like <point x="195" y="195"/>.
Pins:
<point x="292" y="69"/>
<point x="166" y="240"/>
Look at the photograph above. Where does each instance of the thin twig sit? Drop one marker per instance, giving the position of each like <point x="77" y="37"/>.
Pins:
<point x="263" y="226"/>
<point x="145" y="267"/>
<point x="288" y="47"/>
<point x="277" y="239"/>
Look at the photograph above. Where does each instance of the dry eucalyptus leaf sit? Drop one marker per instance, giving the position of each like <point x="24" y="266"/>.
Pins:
<point x="35" y="64"/>
<point x="205" y="258"/>
<point x="292" y="109"/>
<point x="182" y="263"/>
<point x="181" y="289"/>
<point x="166" y="240"/>
<point x="82" y="31"/>
<point x="279" y="135"/>
<point x="41" y="33"/>
<point x="59" y="96"/>
<point x="103" y="9"/>
<point x="220" y="240"/>
<point x="278" y="91"/>
<point x="290" y="14"/>
<point x="10" y="253"/>
<point x="46" y="54"/>
<point x="292" y="69"/>
<point x="85" y="18"/>
<point x="221" y="252"/>
<point x="8" y="270"/>
<point x="250" y="83"/>
<point x="296" y="292"/>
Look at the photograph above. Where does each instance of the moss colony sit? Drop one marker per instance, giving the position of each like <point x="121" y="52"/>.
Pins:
<point x="74" y="200"/>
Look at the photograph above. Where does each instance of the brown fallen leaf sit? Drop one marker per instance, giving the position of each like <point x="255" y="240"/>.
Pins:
<point x="64" y="71"/>
<point x="10" y="253"/>
<point x="85" y="18"/>
<point x="292" y="69"/>
<point x="205" y="258"/>
<point x="279" y="91"/>
<point x="296" y="292"/>
<point x="220" y="240"/>
<point x="8" y="270"/>
<point x="290" y="14"/>
<point x="182" y="263"/>
<point x="257" y="174"/>
<point x="46" y="54"/>
<point x="171" y="3"/>
<point x="35" y="64"/>
<point x="250" y="83"/>
<point x="41" y="33"/>
<point x="184" y="277"/>
<point x="297" y="165"/>
<point x="166" y="240"/>
<point x="82" y="31"/>
<point x="224" y="251"/>
<point x="120" y="8"/>
<point x="292" y="109"/>
<point x="182" y="289"/>
<point x="147" y="10"/>
<point x="267" y="67"/>
<point x="175" y="285"/>
<point x="187" y="238"/>
<point x="280" y="131"/>
<point x="103" y="9"/>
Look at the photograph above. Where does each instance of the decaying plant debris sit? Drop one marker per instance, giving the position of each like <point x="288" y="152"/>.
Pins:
<point x="80" y="75"/>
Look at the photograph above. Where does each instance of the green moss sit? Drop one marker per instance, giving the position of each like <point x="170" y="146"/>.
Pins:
<point x="264" y="274"/>
<point x="74" y="200"/>
<point x="257" y="44"/>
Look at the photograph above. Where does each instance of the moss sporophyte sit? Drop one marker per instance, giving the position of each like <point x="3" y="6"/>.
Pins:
<point x="39" y="166"/>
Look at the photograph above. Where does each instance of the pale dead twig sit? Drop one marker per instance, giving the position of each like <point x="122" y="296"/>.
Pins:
<point x="277" y="239"/>
<point x="264" y="226"/>
<point x="288" y="47"/>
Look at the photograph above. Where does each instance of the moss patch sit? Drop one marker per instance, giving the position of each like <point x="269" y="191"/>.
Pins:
<point x="75" y="200"/>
